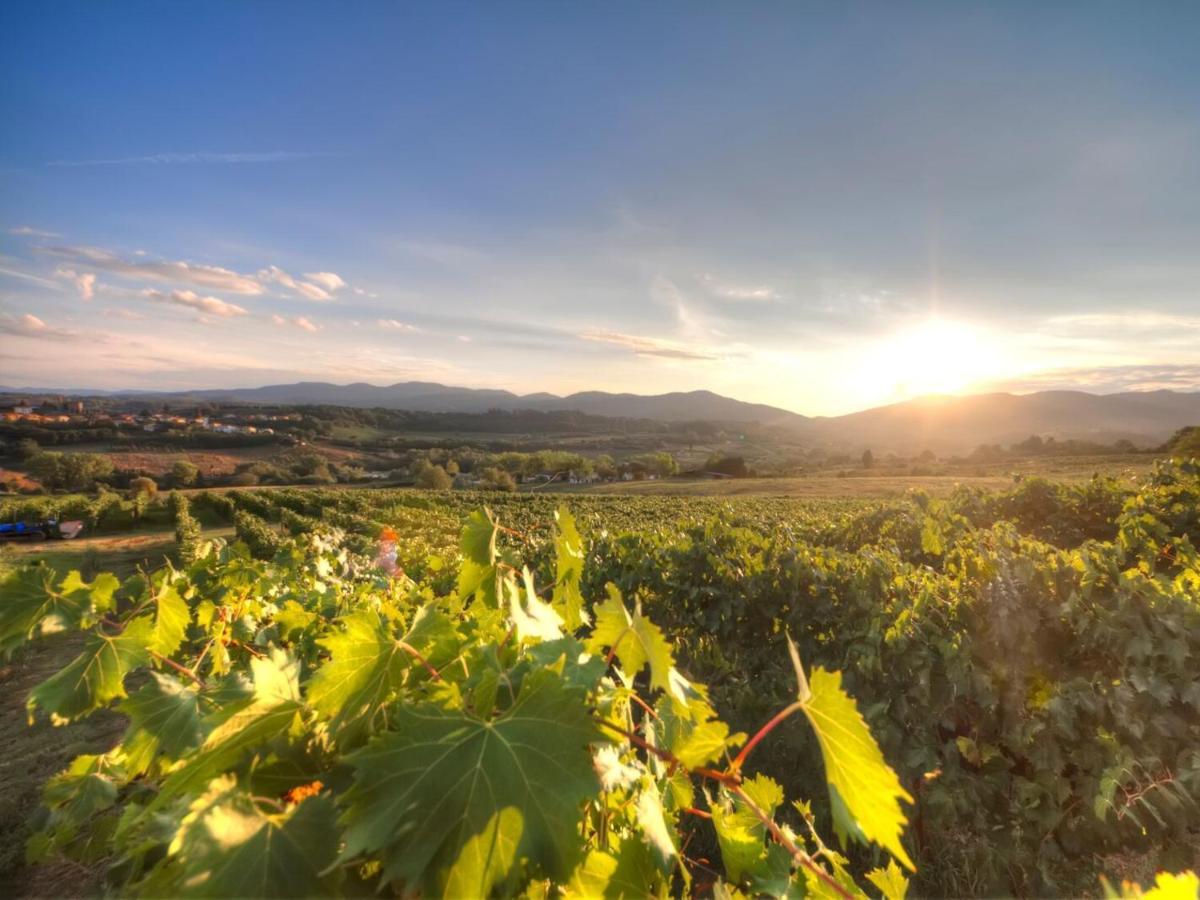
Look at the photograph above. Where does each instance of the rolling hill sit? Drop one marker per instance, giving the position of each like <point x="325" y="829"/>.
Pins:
<point x="940" y="423"/>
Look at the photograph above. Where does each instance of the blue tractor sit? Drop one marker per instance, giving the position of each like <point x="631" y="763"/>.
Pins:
<point x="40" y="531"/>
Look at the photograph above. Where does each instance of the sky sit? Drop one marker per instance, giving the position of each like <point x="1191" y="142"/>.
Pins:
<point x="823" y="206"/>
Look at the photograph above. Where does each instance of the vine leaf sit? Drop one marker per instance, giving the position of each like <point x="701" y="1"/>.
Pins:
<point x="368" y="664"/>
<point x="260" y="714"/>
<point x="32" y="603"/>
<point x="864" y="792"/>
<point x="477" y="574"/>
<point x="636" y="642"/>
<point x="740" y="833"/>
<point x="568" y="570"/>
<point x="628" y="871"/>
<point x="170" y="621"/>
<point x="890" y="881"/>
<point x="96" y="677"/>
<point x="230" y="848"/>
<point x="167" y="713"/>
<point x="450" y="793"/>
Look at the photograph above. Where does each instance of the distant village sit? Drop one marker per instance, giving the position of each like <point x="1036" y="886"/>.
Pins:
<point x="77" y="413"/>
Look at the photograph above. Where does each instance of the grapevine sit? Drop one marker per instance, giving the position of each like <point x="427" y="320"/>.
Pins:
<point x="304" y="725"/>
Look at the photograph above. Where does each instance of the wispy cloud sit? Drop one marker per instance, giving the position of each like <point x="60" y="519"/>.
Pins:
<point x="331" y="281"/>
<point x="1110" y="379"/>
<point x="397" y="325"/>
<point x="305" y="289"/>
<point x="210" y="277"/>
<point x="644" y="346"/>
<point x="213" y="306"/>
<point x="85" y="282"/>
<point x="753" y="293"/>
<point x="29" y="325"/>
<point x="175" y="159"/>
<point x="26" y="276"/>
<point x="29" y="231"/>
<point x="301" y="322"/>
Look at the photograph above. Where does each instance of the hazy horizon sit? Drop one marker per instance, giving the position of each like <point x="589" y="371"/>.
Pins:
<point x="823" y="209"/>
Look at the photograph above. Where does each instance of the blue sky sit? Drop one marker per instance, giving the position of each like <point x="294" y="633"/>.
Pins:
<point x="821" y="206"/>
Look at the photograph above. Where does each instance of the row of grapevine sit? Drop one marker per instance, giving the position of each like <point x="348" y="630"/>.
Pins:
<point x="303" y="726"/>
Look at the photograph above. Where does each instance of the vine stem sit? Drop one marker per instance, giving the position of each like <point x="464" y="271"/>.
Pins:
<point x="416" y="654"/>
<point x="763" y="732"/>
<point x="788" y="844"/>
<point x="725" y="778"/>
<point x="182" y="670"/>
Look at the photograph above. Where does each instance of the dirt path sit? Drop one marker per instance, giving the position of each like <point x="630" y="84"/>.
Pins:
<point x="30" y="754"/>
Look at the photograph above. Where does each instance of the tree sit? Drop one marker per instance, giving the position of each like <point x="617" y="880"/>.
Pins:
<point x="27" y="448"/>
<point x="494" y="479"/>
<point x="1185" y="442"/>
<point x="184" y="473"/>
<point x="433" y="478"/>
<point x="143" y="485"/>
<point x="70" y="471"/>
<point x="868" y="459"/>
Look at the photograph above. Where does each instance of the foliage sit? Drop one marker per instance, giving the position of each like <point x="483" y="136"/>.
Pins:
<point x="184" y="473"/>
<point x="70" y="471"/>
<point x="143" y="485"/>
<point x="187" y="528"/>
<point x="433" y="478"/>
<point x="307" y="726"/>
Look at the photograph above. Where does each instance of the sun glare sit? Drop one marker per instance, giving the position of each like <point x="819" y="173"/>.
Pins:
<point x="933" y="357"/>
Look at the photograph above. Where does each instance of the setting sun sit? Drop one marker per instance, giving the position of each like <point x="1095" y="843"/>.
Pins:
<point x="932" y="357"/>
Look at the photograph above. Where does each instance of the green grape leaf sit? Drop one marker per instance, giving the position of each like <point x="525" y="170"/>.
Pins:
<point x="741" y="834"/>
<point x="625" y="873"/>
<point x="864" y="792"/>
<point x="257" y="716"/>
<point x="568" y="570"/>
<point x="169" y="712"/>
<point x="97" y="676"/>
<point x="477" y="574"/>
<point x="635" y="641"/>
<point x="368" y="664"/>
<point x="170" y="621"/>
<point x="429" y="795"/>
<point x="695" y="738"/>
<point x="99" y="592"/>
<point x="229" y="848"/>
<point x="32" y="603"/>
<point x="890" y="881"/>
<point x="83" y="790"/>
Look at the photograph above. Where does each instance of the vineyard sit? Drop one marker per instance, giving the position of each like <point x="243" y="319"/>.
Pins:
<point x="463" y="694"/>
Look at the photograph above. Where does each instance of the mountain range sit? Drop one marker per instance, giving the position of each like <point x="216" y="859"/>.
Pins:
<point x="942" y="423"/>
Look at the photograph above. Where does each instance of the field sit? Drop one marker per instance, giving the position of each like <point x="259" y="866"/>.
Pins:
<point x="1022" y="652"/>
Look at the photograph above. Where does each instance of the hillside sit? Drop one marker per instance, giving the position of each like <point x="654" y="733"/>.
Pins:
<point x="951" y="424"/>
<point x="943" y="424"/>
<point x="424" y="396"/>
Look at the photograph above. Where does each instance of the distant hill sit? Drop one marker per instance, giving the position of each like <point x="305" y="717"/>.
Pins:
<point x="951" y="424"/>
<point x="941" y="424"/>
<point x="425" y="396"/>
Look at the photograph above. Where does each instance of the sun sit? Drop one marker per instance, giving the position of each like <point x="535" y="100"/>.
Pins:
<point x="935" y="356"/>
